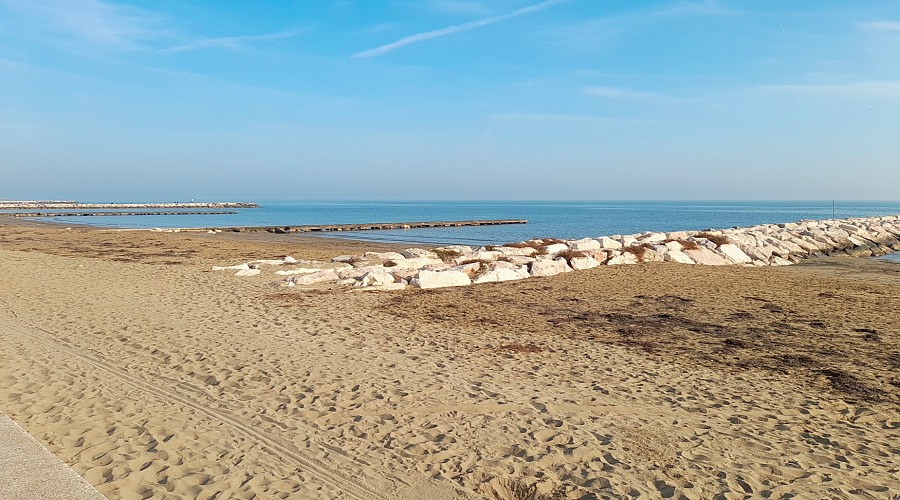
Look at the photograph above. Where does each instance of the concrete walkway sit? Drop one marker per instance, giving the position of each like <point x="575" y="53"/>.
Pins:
<point x="28" y="471"/>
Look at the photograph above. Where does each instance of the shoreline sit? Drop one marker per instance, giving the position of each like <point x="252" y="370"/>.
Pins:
<point x="461" y="265"/>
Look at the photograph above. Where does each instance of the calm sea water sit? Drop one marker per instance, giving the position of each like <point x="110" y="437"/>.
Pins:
<point x="545" y="219"/>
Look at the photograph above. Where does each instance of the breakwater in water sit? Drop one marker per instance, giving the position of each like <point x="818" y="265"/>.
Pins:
<point x="74" y="205"/>
<point x="372" y="226"/>
<point x="460" y="265"/>
<point x="107" y="214"/>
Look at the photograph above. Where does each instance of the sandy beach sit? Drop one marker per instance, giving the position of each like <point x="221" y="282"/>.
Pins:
<point x="153" y="377"/>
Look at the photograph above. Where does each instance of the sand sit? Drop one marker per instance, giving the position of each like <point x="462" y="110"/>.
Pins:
<point x="153" y="377"/>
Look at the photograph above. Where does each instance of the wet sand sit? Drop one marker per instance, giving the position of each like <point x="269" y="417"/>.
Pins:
<point x="153" y="377"/>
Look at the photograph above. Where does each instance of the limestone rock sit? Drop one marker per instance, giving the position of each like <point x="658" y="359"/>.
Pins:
<point x="403" y="274"/>
<point x="415" y="263"/>
<point x="547" y="267"/>
<point x="653" y="238"/>
<point x="706" y="257"/>
<point x="441" y="279"/>
<point x="355" y="272"/>
<point x="317" y="277"/>
<point x="516" y="251"/>
<point x="734" y="253"/>
<point x="584" y="245"/>
<point x="291" y="272"/>
<point x="582" y="263"/>
<point x="555" y="248"/>
<point x="377" y="278"/>
<point x="519" y="260"/>
<point x="678" y="257"/>
<point x="623" y="259"/>
<point x="502" y="274"/>
<point x="443" y="266"/>
<point x="651" y="255"/>
<point x="600" y="256"/>
<point x="458" y="249"/>
<point x="674" y="246"/>
<point x="609" y="243"/>
<point x="470" y="269"/>
<point x="482" y="255"/>
<point x="679" y="235"/>
<point x="412" y="253"/>
<point x="247" y="272"/>
<point x="384" y="255"/>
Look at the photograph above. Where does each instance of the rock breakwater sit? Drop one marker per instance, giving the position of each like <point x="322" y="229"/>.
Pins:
<point x="74" y="205"/>
<point x="459" y="265"/>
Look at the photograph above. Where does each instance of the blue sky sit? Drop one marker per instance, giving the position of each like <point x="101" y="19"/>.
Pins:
<point x="449" y="99"/>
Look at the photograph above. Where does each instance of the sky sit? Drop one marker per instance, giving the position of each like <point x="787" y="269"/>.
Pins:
<point x="104" y="100"/>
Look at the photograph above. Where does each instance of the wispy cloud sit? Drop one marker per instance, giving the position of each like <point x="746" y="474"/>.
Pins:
<point x="565" y="118"/>
<point x="875" y="88"/>
<point x="623" y="94"/>
<point x="880" y="26"/>
<point x="94" y="21"/>
<point x="599" y="32"/>
<point x="230" y="42"/>
<point x="458" y="28"/>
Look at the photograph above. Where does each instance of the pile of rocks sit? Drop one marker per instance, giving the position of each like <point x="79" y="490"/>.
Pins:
<point x="458" y="265"/>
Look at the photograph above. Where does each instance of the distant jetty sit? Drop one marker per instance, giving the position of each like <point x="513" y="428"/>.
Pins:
<point x="110" y="214"/>
<point x="373" y="226"/>
<point x="74" y="205"/>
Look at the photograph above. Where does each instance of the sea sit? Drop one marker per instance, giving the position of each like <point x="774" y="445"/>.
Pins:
<point x="546" y="219"/>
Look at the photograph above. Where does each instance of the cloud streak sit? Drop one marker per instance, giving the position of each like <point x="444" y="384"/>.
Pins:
<point x="623" y="94"/>
<point x="874" y="88"/>
<point x="229" y="42"/>
<point x="881" y="26"/>
<point x="458" y="28"/>
<point x="98" y="22"/>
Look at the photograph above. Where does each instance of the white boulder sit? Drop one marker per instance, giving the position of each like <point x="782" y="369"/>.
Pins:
<point x="482" y="255"/>
<point x="384" y="255"/>
<point x="502" y="274"/>
<point x="623" y="258"/>
<point x="412" y="253"/>
<point x="734" y="253"/>
<point x="415" y="263"/>
<point x="470" y="269"/>
<point x="555" y="248"/>
<point x="547" y="267"/>
<point x="516" y="251"/>
<point x="317" y="277"/>
<point x="519" y="260"/>
<point x="377" y="278"/>
<point x="584" y="245"/>
<point x="441" y="279"/>
<point x="609" y="243"/>
<point x="678" y="257"/>
<point x="247" y="272"/>
<point x="706" y="257"/>
<point x="291" y="272"/>
<point x="582" y="263"/>
<point x="458" y="249"/>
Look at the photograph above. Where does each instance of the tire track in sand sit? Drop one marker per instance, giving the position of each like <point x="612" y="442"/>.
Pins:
<point x="275" y="446"/>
